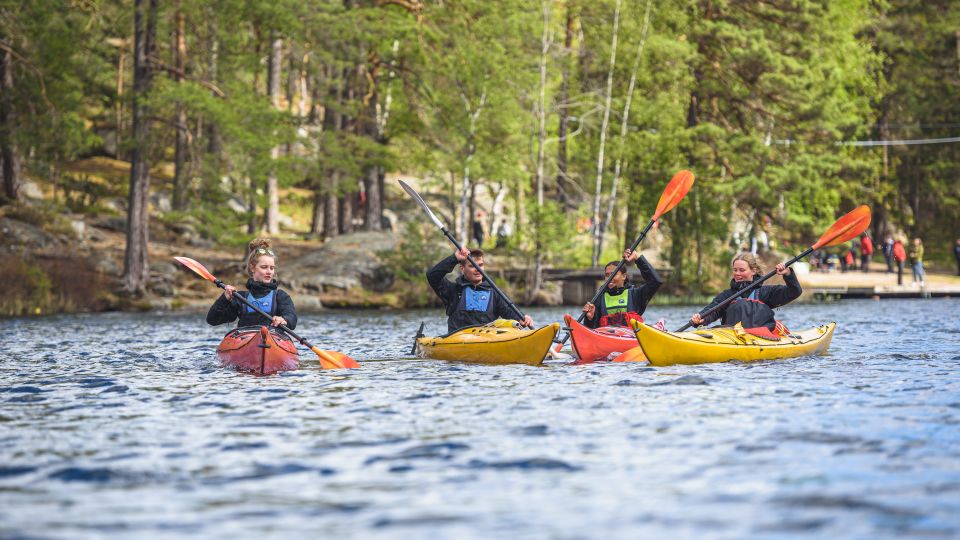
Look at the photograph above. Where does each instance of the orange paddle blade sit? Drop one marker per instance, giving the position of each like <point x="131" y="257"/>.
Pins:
<point x="675" y="191"/>
<point x="334" y="359"/>
<point x="196" y="267"/>
<point x="846" y="228"/>
<point x="632" y="355"/>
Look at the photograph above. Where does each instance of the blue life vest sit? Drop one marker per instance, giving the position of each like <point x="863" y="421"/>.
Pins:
<point x="476" y="300"/>
<point x="265" y="302"/>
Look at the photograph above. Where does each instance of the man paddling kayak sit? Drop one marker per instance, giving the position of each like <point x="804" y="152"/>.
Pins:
<point x="470" y="301"/>
<point x="756" y="309"/>
<point x="622" y="302"/>
<point x="261" y="290"/>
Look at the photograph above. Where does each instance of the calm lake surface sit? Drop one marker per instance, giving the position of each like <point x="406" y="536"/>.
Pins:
<point x="124" y="426"/>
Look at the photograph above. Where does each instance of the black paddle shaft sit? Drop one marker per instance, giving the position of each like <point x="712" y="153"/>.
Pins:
<point x="493" y="285"/>
<point x="603" y="288"/>
<point x="256" y="308"/>
<point x="753" y="286"/>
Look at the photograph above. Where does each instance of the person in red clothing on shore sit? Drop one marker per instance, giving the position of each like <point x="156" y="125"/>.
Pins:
<point x="866" y="251"/>
<point x="899" y="255"/>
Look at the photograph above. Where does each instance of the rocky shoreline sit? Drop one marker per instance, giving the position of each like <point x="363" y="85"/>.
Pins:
<point x="74" y="263"/>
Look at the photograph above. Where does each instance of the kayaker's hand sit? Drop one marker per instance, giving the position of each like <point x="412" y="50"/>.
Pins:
<point x="697" y="320"/>
<point x="590" y="310"/>
<point x="527" y="321"/>
<point x="462" y="254"/>
<point x="228" y="291"/>
<point x="782" y="270"/>
<point x="631" y="256"/>
<point x="278" y="320"/>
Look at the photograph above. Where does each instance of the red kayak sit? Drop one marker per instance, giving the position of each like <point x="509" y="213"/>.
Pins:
<point x="258" y="350"/>
<point x="591" y="345"/>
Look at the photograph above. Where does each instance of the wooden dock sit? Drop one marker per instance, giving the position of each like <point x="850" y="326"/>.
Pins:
<point x="884" y="291"/>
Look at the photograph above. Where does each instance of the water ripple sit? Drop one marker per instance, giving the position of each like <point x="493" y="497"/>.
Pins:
<point x="151" y="438"/>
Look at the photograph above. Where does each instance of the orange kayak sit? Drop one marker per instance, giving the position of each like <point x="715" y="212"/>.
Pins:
<point x="591" y="345"/>
<point x="258" y="350"/>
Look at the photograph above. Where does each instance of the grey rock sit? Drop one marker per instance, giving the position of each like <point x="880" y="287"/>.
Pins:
<point x="111" y="223"/>
<point x="31" y="190"/>
<point x="104" y="264"/>
<point x="79" y="227"/>
<point x="25" y="235"/>
<point x="343" y="262"/>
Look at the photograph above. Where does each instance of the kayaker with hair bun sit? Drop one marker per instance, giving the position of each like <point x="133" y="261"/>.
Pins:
<point x="756" y="308"/>
<point x="470" y="301"/>
<point x="261" y="290"/>
<point x="622" y="302"/>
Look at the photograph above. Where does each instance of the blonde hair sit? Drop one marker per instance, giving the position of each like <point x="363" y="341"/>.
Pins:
<point x="751" y="261"/>
<point x="258" y="247"/>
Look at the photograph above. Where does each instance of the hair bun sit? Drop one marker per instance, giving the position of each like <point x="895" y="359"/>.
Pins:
<point x="259" y="242"/>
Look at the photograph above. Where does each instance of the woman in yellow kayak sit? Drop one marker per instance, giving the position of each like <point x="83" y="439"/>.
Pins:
<point x="622" y="302"/>
<point x="755" y="310"/>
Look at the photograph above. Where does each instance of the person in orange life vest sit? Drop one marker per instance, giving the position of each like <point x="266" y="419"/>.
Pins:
<point x="261" y="290"/>
<point x="470" y="301"/>
<point x="756" y="308"/>
<point x="622" y="302"/>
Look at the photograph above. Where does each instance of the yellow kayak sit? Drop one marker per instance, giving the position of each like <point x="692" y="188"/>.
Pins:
<point x="731" y="343"/>
<point x="499" y="342"/>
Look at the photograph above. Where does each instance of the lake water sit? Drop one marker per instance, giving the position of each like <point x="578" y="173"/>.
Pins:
<point x="124" y="426"/>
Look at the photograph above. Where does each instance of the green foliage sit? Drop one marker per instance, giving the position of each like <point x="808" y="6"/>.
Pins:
<point x="415" y="253"/>
<point x="757" y="98"/>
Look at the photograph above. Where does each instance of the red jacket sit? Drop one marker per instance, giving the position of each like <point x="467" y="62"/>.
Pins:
<point x="866" y="246"/>
<point x="899" y="254"/>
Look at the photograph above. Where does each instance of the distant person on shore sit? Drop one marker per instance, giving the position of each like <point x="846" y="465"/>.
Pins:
<point x="846" y="260"/>
<point x="261" y="290"/>
<point x="478" y="230"/>
<point x="956" y="254"/>
<point x="470" y="300"/>
<point x="899" y="255"/>
<point x="866" y="251"/>
<point x="916" y="261"/>
<point x="887" y="250"/>
<point x="503" y="234"/>
<point x="621" y="301"/>
<point x="756" y="309"/>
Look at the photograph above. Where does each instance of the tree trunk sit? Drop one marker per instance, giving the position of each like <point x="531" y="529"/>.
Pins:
<point x="474" y="116"/>
<point x="316" y="219"/>
<point x="597" y="226"/>
<point x="214" y="144"/>
<point x="253" y="225"/>
<point x="624" y="122"/>
<point x="180" y="116"/>
<point x="136" y="259"/>
<point x="373" y="208"/>
<point x="541" y="146"/>
<point x="563" y="111"/>
<point x="272" y="217"/>
<point x="346" y="213"/>
<point x="331" y="226"/>
<point x="9" y="156"/>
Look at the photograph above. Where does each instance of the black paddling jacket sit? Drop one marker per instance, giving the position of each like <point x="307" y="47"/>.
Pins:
<point x="269" y="298"/>
<point x="637" y="298"/>
<point x="467" y="304"/>
<point x="755" y="309"/>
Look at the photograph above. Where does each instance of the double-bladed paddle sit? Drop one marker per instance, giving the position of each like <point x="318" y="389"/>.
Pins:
<point x="846" y="228"/>
<point x="328" y="359"/>
<point x="675" y="191"/>
<point x="419" y="200"/>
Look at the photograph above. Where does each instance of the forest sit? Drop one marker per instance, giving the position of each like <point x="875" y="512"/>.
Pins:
<point x="563" y="118"/>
